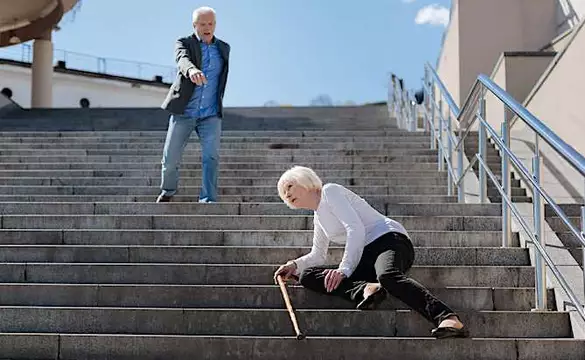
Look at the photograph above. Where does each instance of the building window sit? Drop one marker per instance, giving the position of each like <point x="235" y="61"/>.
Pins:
<point x="84" y="103"/>
<point x="7" y="92"/>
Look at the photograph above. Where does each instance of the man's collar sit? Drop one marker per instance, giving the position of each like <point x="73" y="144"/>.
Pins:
<point x="213" y="40"/>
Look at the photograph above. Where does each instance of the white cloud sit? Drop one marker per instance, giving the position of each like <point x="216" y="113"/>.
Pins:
<point x="435" y="15"/>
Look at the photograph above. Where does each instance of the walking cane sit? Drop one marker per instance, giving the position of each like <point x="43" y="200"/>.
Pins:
<point x="291" y="313"/>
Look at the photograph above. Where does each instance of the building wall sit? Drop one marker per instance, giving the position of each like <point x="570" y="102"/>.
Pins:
<point x="488" y="28"/>
<point x="481" y="30"/>
<point x="448" y="64"/>
<point x="557" y="101"/>
<point x="69" y="89"/>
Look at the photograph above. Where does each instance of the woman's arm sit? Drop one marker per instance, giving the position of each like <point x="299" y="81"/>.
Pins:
<point x="356" y="232"/>
<point x="318" y="254"/>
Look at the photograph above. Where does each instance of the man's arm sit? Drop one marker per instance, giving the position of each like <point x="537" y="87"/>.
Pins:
<point x="182" y="59"/>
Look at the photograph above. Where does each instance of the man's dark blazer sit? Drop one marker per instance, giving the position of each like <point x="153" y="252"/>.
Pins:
<point x="188" y="56"/>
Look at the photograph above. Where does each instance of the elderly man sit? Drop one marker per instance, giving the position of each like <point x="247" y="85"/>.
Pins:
<point x="195" y="103"/>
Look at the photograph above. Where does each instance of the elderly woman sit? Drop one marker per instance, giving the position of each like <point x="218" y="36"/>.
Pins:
<point x="377" y="253"/>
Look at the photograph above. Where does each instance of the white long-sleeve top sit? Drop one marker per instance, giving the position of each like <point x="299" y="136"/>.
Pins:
<point x="345" y="218"/>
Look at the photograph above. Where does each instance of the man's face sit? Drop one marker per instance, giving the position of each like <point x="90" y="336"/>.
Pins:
<point x="205" y="26"/>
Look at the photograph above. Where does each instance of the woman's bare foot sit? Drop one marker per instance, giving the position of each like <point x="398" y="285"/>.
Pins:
<point x="374" y="294"/>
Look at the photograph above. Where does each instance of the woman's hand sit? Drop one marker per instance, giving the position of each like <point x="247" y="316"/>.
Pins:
<point x="286" y="271"/>
<point x="333" y="278"/>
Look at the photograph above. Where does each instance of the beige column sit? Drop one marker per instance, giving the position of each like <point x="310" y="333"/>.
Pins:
<point x="42" y="72"/>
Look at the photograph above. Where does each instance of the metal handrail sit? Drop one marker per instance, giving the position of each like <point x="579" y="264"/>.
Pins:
<point x="475" y="105"/>
<point x="101" y="65"/>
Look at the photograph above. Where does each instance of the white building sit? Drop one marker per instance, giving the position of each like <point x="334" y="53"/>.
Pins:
<point x="80" y="88"/>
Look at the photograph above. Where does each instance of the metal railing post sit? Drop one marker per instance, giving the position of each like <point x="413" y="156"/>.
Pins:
<point x="506" y="213"/>
<point x="426" y="97"/>
<point x="460" y="154"/>
<point x="583" y="247"/>
<point x="450" y="154"/>
<point x="538" y="211"/>
<point x="440" y="137"/>
<point x="482" y="152"/>
<point x="432" y="110"/>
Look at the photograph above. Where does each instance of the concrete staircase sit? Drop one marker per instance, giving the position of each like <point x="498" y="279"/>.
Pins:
<point x="494" y="161"/>
<point x="92" y="268"/>
<point x="573" y="211"/>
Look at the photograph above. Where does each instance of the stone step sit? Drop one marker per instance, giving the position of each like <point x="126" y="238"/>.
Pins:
<point x="559" y="225"/>
<point x="223" y="173"/>
<point x="324" y="145"/>
<point x="231" y="222"/>
<point x="429" y="199"/>
<point x="158" y="134"/>
<point x="154" y="179"/>
<point x="181" y="347"/>
<point x="155" y="165"/>
<point x="229" y="237"/>
<point x="247" y="274"/>
<point x="573" y="210"/>
<point x="150" y="208"/>
<point x="272" y="322"/>
<point x="236" y="155"/>
<point x="222" y="191"/>
<point x="195" y="149"/>
<point x="193" y="190"/>
<point x="464" y="256"/>
<point x="401" y="139"/>
<point x="244" y="296"/>
<point x="414" y="161"/>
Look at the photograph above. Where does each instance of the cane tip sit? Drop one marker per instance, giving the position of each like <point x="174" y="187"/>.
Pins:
<point x="301" y="336"/>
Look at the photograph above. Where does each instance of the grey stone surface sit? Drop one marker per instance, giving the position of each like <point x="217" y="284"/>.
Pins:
<point x="199" y="274"/>
<point x="151" y="208"/>
<point x="240" y="296"/>
<point x="227" y="237"/>
<point x="430" y="199"/>
<point x="86" y="253"/>
<point x="242" y="254"/>
<point x="30" y="346"/>
<point x="229" y="222"/>
<point x="266" y="322"/>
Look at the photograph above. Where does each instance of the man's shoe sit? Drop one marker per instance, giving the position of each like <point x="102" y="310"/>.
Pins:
<point x="163" y="198"/>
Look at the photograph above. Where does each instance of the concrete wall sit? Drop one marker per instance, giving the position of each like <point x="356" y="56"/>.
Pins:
<point x="448" y="64"/>
<point x="578" y="6"/>
<point x="488" y="28"/>
<point x="557" y="101"/>
<point x="481" y="30"/>
<point x="516" y="73"/>
<point x="68" y="89"/>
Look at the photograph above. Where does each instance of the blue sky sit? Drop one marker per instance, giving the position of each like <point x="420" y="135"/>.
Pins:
<point x="282" y="50"/>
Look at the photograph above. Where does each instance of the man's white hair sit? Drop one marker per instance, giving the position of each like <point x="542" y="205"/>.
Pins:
<point x="200" y="11"/>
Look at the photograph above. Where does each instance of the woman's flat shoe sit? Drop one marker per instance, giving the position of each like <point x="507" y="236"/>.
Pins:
<point x="371" y="302"/>
<point x="450" y="332"/>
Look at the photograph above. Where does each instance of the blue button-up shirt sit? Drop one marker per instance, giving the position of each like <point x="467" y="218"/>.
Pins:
<point x="203" y="102"/>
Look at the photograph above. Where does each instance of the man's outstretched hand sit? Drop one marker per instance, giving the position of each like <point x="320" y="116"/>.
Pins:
<point x="197" y="77"/>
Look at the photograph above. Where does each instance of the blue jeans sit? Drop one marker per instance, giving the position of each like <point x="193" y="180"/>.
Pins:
<point x="179" y="131"/>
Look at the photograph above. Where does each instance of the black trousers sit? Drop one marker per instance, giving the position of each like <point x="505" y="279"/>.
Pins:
<point x="385" y="260"/>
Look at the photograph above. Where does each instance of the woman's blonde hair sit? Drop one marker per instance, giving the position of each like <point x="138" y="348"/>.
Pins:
<point x="299" y="175"/>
